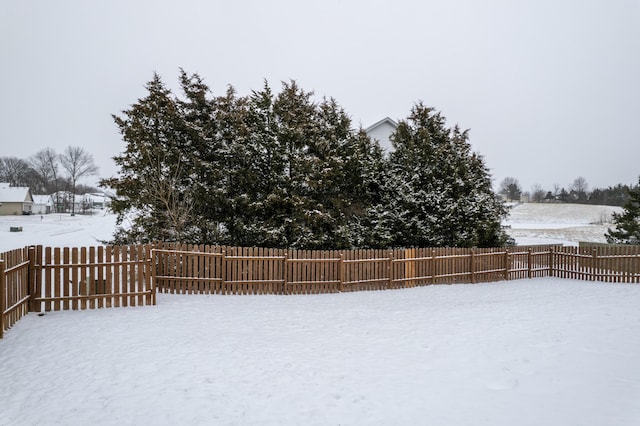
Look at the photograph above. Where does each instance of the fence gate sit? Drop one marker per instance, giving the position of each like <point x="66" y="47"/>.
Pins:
<point x="93" y="277"/>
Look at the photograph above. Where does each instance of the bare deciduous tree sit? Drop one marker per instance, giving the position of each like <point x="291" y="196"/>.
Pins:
<point x="14" y="171"/>
<point x="579" y="189"/>
<point x="178" y="205"/>
<point x="78" y="163"/>
<point x="45" y="165"/>
<point x="537" y="193"/>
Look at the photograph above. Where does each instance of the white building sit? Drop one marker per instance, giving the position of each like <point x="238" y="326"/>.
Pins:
<point x="381" y="131"/>
<point x="15" y="200"/>
<point x="42" y="204"/>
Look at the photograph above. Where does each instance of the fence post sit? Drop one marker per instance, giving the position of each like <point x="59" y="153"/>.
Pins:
<point x="507" y="260"/>
<point x="594" y="267"/>
<point x="341" y="272"/>
<point x="390" y="283"/>
<point x="152" y="274"/>
<point x="285" y="274"/>
<point x="2" y="300"/>
<point x="223" y="271"/>
<point x="529" y="260"/>
<point x="433" y="266"/>
<point x="472" y="266"/>
<point x="31" y="279"/>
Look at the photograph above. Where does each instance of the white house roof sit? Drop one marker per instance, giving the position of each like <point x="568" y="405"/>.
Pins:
<point x="16" y="194"/>
<point x="42" y="199"/>
<point x="95" y="198"/>
<point x="384" y="121"/>
<point x="382" y="131"/>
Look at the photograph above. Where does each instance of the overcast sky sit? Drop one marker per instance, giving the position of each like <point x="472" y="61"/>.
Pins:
<point x="550" y="89"/>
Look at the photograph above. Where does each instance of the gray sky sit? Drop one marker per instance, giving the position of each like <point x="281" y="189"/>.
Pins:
<point x="550" y="89"/>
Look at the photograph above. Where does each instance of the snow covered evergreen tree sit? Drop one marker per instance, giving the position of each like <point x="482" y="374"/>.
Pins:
<point x="627" y="230"/>
<point x="285" y="171"/>
<point x="443" y="194"/>
<point x="207" y="157"/>
<point x="154" y="183"/>
<point x="324" y="171"/>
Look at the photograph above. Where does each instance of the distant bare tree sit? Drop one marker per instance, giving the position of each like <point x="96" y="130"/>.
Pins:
<point x="45" y="165"/>
<point x="537" y="193"/>
<point x="14" y="171"/>
<point x="579" y="189"/>
<point x="78" y="163"/>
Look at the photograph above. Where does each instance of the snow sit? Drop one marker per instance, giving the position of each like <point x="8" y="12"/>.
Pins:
<point x="56" y="230"/>
<point x="530" y="352"/>
<point x="527" y="352"/>
<point x="568" y="224"/>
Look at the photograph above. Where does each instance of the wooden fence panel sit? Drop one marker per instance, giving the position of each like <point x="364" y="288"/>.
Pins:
<point x="14" y="287"/>
<point x="94" y="277"/>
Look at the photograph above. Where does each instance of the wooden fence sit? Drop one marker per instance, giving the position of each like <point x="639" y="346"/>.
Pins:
<point x="34" y="279"/>
<point x="597" y="263"/>
<point x="93" y="277"/>
<point x="233" y="270"/>
<point x="14" y="287"/>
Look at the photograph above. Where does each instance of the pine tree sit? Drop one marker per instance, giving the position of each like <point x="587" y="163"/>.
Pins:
<point x="443" y="194"/>
<point x="627" y="223"/>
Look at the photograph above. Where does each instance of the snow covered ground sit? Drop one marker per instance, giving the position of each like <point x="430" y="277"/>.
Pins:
<point x="528" y="352"/>
<point x="56" y="230"/>
<point x="568" y="224"/>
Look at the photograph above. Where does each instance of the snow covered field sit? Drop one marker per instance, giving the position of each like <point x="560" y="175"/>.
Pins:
<point x="568" y="224"/>
<point x="528" y="352"/>
<point x="56" y="230"/>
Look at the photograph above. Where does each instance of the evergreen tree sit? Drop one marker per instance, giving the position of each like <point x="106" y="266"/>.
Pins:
<point x="154" y="183"/>
<point x="323" y="170"/>
<point x="205" y="159"/>
<point x="284" y="171"/>
<point x="443" y="190"/>
<point x="627" y="223"/>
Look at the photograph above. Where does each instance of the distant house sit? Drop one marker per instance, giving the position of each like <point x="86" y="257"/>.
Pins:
<point x="381" y="131"/>
<point x="62" y="201"/>
<point x="96" y="200"/>
<point x="42" y="204"/>
<point x="15" y="200"/>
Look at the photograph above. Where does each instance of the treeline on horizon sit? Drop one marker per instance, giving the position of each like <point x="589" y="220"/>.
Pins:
<point x="578" y="193"/>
